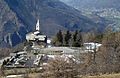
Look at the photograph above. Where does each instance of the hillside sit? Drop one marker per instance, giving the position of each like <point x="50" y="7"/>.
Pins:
<point x="93" y="3"/>
<point x="107" y="9"/>
<point x="18" y="17"/>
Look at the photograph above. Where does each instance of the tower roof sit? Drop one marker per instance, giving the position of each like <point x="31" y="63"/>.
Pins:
<point x="38" y="25"/>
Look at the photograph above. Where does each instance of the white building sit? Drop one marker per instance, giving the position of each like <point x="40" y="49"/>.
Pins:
<point x="33" y="36"/>
<point x="49" y="43"/>
<point x="37" y="37"/>
<point x="91" y="46"/>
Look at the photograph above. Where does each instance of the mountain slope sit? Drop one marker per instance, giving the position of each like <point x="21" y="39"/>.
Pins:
<point x="18" y="17"/>
<point x="107" y="9"/>
<point x="93" y="3"/>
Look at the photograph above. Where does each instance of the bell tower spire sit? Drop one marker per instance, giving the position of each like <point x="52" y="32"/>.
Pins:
<point x="38" y="25"/>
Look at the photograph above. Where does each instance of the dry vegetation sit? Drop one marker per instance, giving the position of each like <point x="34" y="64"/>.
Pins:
<point x="37" y="75"/>
<point x="104" y="76"/>
<point x="105" y="60"/>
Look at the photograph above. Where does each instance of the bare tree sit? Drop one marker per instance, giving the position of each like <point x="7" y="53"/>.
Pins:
<point x="60" y="68"/>
<point x="110" y="53"/>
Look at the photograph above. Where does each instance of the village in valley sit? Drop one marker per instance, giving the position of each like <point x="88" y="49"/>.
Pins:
<point x="59" y="39"/>
<point x="39" y="51"/>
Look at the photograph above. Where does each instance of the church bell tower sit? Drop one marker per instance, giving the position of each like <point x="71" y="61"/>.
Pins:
<point x="38" y="25"/>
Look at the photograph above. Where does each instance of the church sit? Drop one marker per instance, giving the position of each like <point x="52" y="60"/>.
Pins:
<point x="36" y="37"/>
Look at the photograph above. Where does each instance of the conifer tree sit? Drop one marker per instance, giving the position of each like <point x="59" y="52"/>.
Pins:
<point x="77" y="39"/>
<point x="75" y="36"/>
<point x="67" y="38"/>
<point x="59" y="38"/>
